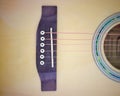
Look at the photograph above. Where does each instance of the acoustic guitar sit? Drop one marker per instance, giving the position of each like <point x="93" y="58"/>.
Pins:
<point x="59" y="48"/>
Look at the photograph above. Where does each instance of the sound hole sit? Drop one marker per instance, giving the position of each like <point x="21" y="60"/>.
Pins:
<point x="112" y="46"/>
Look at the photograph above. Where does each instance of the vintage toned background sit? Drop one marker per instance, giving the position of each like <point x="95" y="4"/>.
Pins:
<point x="77" y="73"/>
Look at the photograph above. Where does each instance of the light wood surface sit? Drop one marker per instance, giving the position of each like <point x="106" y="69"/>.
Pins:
<point x="77" y="73"/>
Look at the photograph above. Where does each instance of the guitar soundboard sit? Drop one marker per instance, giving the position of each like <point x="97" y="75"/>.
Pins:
<point x="60" y="48"/>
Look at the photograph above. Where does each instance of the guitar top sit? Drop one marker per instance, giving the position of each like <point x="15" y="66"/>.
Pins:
<point x="60" y="48"/>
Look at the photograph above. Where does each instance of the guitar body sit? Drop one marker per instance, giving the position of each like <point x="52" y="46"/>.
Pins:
<point x="78" y="24"/>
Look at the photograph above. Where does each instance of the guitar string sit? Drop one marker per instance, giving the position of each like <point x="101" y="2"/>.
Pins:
<point x="56" y="39"/>
<point x="66" y="39"/>
<point x="105" y="45"/>
<point x="78" y="33"/>
<point x="68" y="33"/>
<point x="106" y="56"/>
<point x="59" y="39"/>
